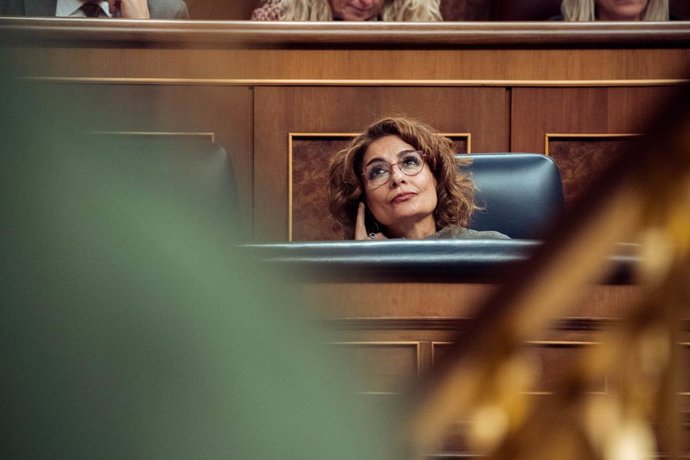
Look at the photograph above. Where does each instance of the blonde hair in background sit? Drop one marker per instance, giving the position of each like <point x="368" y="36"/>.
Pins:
<point x="393" y="10"/>
<point x="583" y="10"/>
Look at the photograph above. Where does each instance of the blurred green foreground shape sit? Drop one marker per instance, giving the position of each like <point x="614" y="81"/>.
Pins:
<point x="131" y="326"/>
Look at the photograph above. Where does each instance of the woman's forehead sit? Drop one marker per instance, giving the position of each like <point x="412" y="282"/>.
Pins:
<point x="388" y="147"/>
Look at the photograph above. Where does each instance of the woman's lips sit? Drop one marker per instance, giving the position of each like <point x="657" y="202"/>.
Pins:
<point x="358" y="10"/>
<point x="360" y="13"/>
<point x="402" y="197"/>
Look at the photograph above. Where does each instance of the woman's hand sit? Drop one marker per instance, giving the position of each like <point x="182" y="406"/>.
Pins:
<point x="130" y="9"/>
<point x="361" y="229"/>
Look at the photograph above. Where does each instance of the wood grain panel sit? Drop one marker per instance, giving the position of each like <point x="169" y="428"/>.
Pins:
<point x="370" y="34"/>
<point x="538" y="111"/>
<point x="356" y="64"/>
<point x="221" y="112"/>
<point x="571" y="125"/>
<point x="279" y="111"/>
<point x="443" y="300"/>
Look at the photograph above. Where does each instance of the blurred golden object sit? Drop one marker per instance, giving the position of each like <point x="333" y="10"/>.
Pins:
<point x="639" y="201"/>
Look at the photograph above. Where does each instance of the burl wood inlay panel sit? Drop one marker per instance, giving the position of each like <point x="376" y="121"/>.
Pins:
<point x="581" y="159"/>
<point x="311" y="156"/>
<point x="311" y="219"/>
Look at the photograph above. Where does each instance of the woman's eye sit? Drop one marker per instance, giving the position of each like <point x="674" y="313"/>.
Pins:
<point x="376" y="171"/>
<point x="411" y="160"/>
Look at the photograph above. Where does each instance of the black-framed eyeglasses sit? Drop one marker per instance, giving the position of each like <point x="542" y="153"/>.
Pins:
<point x="378" y="172"/>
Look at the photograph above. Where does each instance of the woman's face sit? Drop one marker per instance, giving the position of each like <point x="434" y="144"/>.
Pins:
<point x="356" y="10"/>
<point x="620" y="10"/>
<point x="404" y="203"/>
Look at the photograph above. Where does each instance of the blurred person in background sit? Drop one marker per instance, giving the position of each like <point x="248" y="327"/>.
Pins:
<point x="614" y="10"/>
<point x="348" y="10"/>
<point x="127" y="9"/>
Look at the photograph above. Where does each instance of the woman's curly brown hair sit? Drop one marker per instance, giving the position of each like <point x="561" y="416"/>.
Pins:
<point x="454" y="189"/>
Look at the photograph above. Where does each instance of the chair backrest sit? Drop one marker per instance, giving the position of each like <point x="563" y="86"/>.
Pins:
<point x="520" y="193"/>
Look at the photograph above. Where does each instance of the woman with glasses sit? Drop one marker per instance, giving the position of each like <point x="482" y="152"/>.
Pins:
<point x="400" y="179"/>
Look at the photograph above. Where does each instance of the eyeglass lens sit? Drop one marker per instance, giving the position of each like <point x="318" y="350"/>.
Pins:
<point x="410" y="164"/>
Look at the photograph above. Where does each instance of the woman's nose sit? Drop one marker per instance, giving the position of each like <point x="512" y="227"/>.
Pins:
<point x="396" y="175"/>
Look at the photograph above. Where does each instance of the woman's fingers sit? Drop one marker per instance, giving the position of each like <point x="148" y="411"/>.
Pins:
<point x="360" y="228"/>
<point x="132" y="9"/>
<point x="361" y="232"/>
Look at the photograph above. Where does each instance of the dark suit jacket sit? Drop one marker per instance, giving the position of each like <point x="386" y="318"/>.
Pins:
<point x="158" y="9"/>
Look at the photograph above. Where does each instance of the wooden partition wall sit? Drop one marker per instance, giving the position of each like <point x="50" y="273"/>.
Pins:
<point x="279" y="96"/>
<point x="282" y="98"/>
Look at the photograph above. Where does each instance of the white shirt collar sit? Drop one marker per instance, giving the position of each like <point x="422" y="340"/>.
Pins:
<point x="67" y="8"/>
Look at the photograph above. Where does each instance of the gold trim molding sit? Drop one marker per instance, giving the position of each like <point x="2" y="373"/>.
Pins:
<point x="354" y="82"/>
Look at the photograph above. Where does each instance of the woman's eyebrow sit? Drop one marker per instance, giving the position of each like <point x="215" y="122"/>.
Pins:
<point x="399" y="154"/>
<point x="374" y="160"/>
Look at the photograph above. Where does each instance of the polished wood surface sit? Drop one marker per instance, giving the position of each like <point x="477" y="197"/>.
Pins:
<point x="412" y="67"/>
<point x="620" y="110"/>
<point x="443" y="301"/>
<point x="506" y="54"/>
<point x="583" y="129"/>
<point x="509" y="85"/>
<point x="374" y="34"/>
